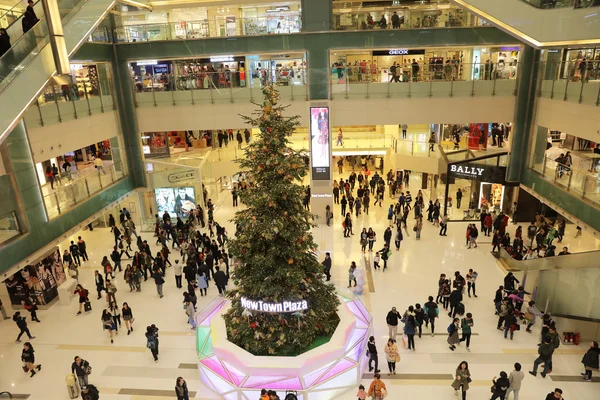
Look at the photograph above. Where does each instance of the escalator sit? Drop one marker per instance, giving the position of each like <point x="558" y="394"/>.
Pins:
<point x="542" y="23"/>
<point x="28" y="66"/>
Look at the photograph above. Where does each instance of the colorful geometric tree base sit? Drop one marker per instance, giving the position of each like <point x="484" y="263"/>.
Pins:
<point x="328" y="375"/>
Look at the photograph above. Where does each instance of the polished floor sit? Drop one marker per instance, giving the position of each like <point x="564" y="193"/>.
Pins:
<point x="125" y="370"/>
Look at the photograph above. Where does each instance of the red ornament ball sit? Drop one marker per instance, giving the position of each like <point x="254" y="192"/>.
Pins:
<point x="253" y="325"/>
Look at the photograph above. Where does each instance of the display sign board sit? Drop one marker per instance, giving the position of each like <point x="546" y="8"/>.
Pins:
<point x="281" y="307"/>
<point x="480" y="172"/>
<point x="320" y="144"/>
<point x="398" y="52"/>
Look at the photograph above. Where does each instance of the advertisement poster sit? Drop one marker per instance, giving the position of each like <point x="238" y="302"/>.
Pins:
<point x="320" y="143"/>
<point x="179" y="201"/>
<point x="38" y="282"/>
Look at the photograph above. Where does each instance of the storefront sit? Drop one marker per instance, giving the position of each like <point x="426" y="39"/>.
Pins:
<point x="85" y="81"/>
<point x="271" y="19"/>
<point x="213" y="72"/>
<point x="495" y="63"/>
<point x="155" y="144"/>
<point x="38" y="282"/>
<point x="433" y="63"/>
<point x="149" y="75"/>
<point x="482" y="183"/>
<point x="573" y="65"/>
<point x="283" y="69"/>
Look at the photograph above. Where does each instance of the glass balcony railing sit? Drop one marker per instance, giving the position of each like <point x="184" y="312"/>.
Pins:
<point x="583" y="184"/>
<point x="551" y="4"/>
<point x="62" y="103"/>
<point x="69" y="192"/>
<point x="201" y="29"/>
<point x="574" y="81"/>
<point x="9" y="227"/>
<point x="444" y="80"/>
<point x="215" y="88"/>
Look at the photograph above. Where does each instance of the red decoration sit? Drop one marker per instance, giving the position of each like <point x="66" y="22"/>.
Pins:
<point x="253" y="325"/>
<point x="244" y="250"/>
<point x="282" y="321"/>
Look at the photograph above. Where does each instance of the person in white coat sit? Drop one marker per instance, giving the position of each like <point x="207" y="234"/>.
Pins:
<point x="178" y="274"/>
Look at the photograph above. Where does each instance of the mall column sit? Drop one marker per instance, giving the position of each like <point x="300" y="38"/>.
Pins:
<point x="317" y="16"/>
<point x="526" y="99"/>
<point x="57" y="38"/>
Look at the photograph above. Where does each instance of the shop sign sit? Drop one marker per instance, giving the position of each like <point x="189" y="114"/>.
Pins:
<point x="484" y="173"/>
<point x="221" y="59"/>
<point x="182" y="176"/>
<point x="281" y="307"/>
<point x="147" y="62"/>
<point x="398" y="52"/>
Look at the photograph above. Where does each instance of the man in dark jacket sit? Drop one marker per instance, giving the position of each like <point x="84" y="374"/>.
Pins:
<point x="556" y="395"/>
<point x="455" y="299"/>
<point x="545" y="351"/>
<point x="159" y="281"/>
<point x="90" y="392"/>
<point x="115" y="256"/>
<point x="392" y="322"/>
<point x="220" y="280"/>
<point x="373" y="354"/>
<point x="29" y="18"/>
<point x="99" y="283"/>
<point x="74" y="249"/>
<point x="78" y="368"/>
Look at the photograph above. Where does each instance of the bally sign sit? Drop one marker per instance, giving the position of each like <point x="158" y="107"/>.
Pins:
<point x="466" y="170"/>
<point x="182" y="176"/>
<point x="480" y="172"/>
<point x="283" y="307"/>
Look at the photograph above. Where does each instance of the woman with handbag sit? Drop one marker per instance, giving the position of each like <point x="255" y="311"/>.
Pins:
<point x="463" y="378"/>
<point x="372" y="237"/>
<point x="108" y="324"/>
<point x="392" y="355"/>
<point x="418" y="226"/>
<point x="28" y="358"/>
<point x="127" y="317"/>
<point x="363" y="240"/>
<point x="590" y="361"/>
<point x="377" y="390"/>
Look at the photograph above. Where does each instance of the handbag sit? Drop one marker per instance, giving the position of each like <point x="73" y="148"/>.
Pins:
<point x="25" y="369"/>
<point x="397" y="358"/>
<point x="87" y="369"/>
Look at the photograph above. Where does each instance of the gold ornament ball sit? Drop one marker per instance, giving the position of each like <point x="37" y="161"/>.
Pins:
<point x="291" y="261"/>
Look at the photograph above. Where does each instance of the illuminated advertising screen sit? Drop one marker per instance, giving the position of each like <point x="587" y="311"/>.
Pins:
<point x="320" y="144"/>
<point x="179" y="201"/>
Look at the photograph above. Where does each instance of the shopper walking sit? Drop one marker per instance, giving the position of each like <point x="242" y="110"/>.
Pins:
<point x="466" y="325"/>
<point x="392" y="319"/>
<point x="3" y="311"/>
<point x="351" y="276"/>
<point x="115" y="312"/>
<point x="189" y="311"/>
<point x="432" y="312"/>
<point x="471" y="278"/>
<point x="83" y="297"/>
<point x="31" y="306"/>
<point x="159" y="281"/>
<point x="515" y="378"/>
<point x="111" y="290"/>
<point x="82" y="246"/>
<point x="590" y="361"/>
<point x="410" y="328"/>
<point x="152" y="341"/>
<point x="453" y="334"/>
<point x="372" y="354"/>
<point x="181" y="389"/>
<point x="28" y="358"/>
<point x="127" y="317"/>
<point x="80" y="368"/>
<point x="392" y="355"/>
<point x="220" y="280"/>
<point x="108" y="324"/>
<point x="556" y="395"/>
<point x="99" y="280"/>
<point x="377" y="390"/>
<point x="463" y="377"/>
<point x="500" y="386"/>
<point x="545" y="351"/>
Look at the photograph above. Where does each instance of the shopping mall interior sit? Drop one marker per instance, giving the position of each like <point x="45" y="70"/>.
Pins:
<point x="251" y="147"/>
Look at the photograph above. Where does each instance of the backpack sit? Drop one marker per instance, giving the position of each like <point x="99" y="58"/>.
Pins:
<point x="451" y="328"/>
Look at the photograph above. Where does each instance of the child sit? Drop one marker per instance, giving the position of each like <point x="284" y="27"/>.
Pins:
<point x="361" y="394"/>
<point x="376" y="261"/>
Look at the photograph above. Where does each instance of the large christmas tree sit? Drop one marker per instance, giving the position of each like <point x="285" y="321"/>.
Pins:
<point x="281" y="304"/>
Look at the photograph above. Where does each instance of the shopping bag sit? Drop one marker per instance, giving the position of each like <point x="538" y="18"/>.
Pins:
<point x="87" y="306"/>
<point x="404" y="340"/>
